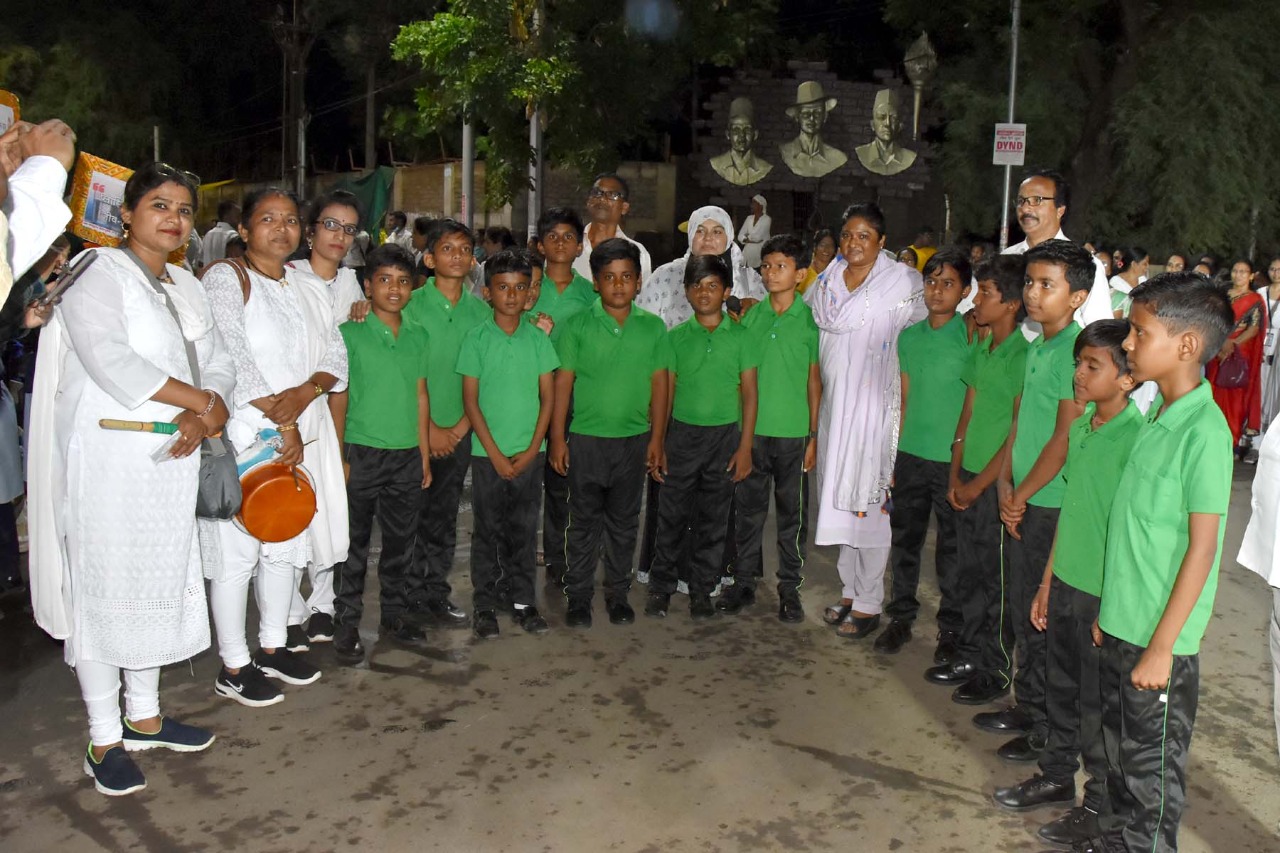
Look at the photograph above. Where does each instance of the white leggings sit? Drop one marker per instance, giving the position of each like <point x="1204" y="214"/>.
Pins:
<point x="229" y="596"/>
<point x="100" y="687"/>
<point x="862" y="574"/>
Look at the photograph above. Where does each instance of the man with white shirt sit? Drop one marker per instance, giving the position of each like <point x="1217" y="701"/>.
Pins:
<point x="215" y="239"/>
<point x="606" y="205"/>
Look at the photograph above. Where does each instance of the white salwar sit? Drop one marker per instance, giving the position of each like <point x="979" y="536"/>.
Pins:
<point x="115" y="557"/>
<point x="1258" y="551"/>
<point x="282" y="336"/>
<point x="860" y="415"/>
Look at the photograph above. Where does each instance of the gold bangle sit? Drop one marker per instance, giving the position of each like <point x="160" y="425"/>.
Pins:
<point x="319" y="390"/>
<point x="286" y="427"/>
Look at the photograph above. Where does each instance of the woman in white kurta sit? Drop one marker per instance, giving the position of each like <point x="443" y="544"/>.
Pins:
<point x="115" y="554"/>
<point x="861" y="303"/>
<point x="288" y="356"/>
<point x="333" y="220"/>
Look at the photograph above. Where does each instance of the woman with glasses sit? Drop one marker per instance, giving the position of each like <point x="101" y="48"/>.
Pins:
<point x="115" y="557"/>
<point x="280" y="330"/>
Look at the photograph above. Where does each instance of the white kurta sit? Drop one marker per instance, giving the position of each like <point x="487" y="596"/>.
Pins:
<point x="279" y="339"/>
<point x="37" y="214"/>
<point x="121" y="527"/>
<point x="343" y="289"/>
<point x="754" y="234"/>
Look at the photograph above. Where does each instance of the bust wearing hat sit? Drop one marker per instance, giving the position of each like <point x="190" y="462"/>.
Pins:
<point x="740" y="165"/>
<point x="884" y="155"/>
<point x="807" y="155"/>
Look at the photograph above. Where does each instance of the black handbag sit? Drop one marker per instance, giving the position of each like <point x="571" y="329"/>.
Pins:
<point x="218" y="494"/>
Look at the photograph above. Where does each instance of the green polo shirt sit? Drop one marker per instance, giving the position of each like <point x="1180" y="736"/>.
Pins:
<point x="933" y="361"/>
<point x="447" y="325"/>
<point x="508" y="368"/>
<point x="786" y="347"/>
<point x="1051" y="369"/>
<point x="995" y="375"/>
<point x="561" y="306"/>
<point x="1095" y="461"/>
<point x="613" y="366"/>
<point x="1181" y="463"/>
<point x="382" y="400"/>
<point x="707" y="369"/>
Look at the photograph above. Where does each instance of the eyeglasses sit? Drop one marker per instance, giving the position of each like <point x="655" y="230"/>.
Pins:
<point x="1032" y="200"/>
<point x="335" y="225"/>
<point x="612" y="195"/>
<point x="182" y="175"/>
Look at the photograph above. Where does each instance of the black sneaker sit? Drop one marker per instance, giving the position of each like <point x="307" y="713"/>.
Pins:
<point x="736" y="598"/>
<point x="286" y="666"/>
<point x="249" y="687"/>
<point x="296" y="639"/>
<point x="578" y="614"/>
<point x="700" y="607"/>
<point x="115" y="775"/>
<point x="403" y="632"/>
<point x="320" y="628"/>
<point x="173" y="735"/>
<point x="442" y="612"/>
<point x="530" y="620"/>
<point x="346" y="644"/>
<point x="657" y="604"/>
<point x="485" y="625"/>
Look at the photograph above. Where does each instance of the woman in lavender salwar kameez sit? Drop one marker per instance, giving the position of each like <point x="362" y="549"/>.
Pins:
<point x="861" y="303"/>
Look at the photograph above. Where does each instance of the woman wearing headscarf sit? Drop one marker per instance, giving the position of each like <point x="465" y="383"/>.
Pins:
<point x="755" y="231"/>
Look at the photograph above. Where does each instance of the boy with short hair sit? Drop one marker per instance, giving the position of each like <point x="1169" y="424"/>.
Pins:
<point x="1066" y="604"/>
<point x="506" y="366"/>
<point x="382" y="421"/>
<point x="1059" y="278"/>
<point x="976" y="668"/>
<point x="447" y="311"/>
<point x="708" y="446"/>
<point x="1164" y="545"/>
<point x="783" y="338"/>
<point x="932" y="355"/>
<point x="613" y="381"/>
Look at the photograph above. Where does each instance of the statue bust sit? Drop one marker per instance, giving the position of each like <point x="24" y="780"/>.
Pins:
<point x="740" y="165"/>
<point x="807" y="155"/>
<point x="884" y="155"/>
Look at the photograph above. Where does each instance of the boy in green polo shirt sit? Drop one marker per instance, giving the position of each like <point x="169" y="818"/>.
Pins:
<point x="1164" y="544"/>
<point x="1067" y="602"/>
<point x="708" y="447"/>
<point x="784" y="339"/>
<point x="382" y="421"/>
<point x="978" y="671"/>
<point x="613" y="381"/>
<point x="932" y="355"/>
<point x="1059" y="276"/>
<point x="506" y="367"/>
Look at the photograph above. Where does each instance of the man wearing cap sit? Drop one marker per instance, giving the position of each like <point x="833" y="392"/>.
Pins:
<point x="807" y="155"/>
<point x="755" y="231"/>
<point x="884" y="155"/>
<point x="740" y="165"/>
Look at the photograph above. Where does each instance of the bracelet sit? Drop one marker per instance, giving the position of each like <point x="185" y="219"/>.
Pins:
<point x="319" y="390"/>
<point x="213" y="399"/>
<point x="959" y="440"/>
<point x="286" y="427"/>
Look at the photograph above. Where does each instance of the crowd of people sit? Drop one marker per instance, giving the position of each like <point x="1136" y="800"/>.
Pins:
<point x="1079" y="524"/>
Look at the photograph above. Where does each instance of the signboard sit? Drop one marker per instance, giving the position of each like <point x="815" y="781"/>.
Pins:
<point x="1010" y="145"/>
<point x="97" y="196"/>
<point x="10" y="112"/>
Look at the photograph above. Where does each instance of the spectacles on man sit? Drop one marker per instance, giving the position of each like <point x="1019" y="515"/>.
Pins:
<point x="612" y="195"/>
<point x="335" y="225"/>
<point x="1032" y="200"/>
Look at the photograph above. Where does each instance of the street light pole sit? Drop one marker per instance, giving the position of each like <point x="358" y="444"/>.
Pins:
<point x="1013" y="96"/>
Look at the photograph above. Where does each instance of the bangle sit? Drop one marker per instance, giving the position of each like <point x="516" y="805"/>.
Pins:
<point x="959" y="440"/>
<point x="213" y="398"/>
<point x="319" y="389"/>
<point x="286" y="427"/>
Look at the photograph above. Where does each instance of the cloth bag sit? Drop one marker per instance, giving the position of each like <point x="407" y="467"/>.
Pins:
<point x="218" y="495"/>
<point x="1233" y="372"/>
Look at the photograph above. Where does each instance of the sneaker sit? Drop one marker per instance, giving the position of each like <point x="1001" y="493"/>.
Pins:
<point x="296" y="639"/>
<point x="286" y="666"/>
<point x="320" y="628"/>
<point x="642" y="577"/>
<point x="485" y="624"/>
<point x="248" y="687"/>
<point x="530" y="620"/>
<point x="657" y="604"/>
<point x="115" y="775"/>
<point x="346" y="644"/>
<point x="172" y="735"/>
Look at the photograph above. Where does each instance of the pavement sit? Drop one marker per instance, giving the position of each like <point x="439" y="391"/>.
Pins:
<point x="739" y="734"/>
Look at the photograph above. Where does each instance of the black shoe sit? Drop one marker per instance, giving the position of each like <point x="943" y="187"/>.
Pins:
<point x="1075" y="826"/>
<point x="1110" y="843"/>
<point x="442" y="612"/>
<point x="736" y="598"/>
<point x="789" y="608"/>
<point x="948" y="648"/>
<point x="485" y="625"/>
<point x="1010" y="721"/>
<point x="1035" y="792"/>
<point x="249" y="687"/>
<point x="1025" y="748"/>
<point x="320" y="628"/>
<point x="296" y="640"/>
<point x="620" y="613"/>
<point x="403" y="632"/>
<point x="657" y="604"/>
<point x="579" y="614"/>
<point x="893" y="638"/>
<point x="950" y="674"/>
<point x="700" y="607"/>
<point x="346" y="644"/>
<point x="530" y="620"/>
<point x="983" y="689"/>
<point x="287" y="667"/>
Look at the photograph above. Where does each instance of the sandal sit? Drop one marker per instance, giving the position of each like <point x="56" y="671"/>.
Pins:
<point x="858" y="627"/>
<point x="834" y="614"/>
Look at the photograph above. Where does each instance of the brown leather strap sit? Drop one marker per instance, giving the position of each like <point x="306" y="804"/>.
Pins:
<point x="242" y="273"/>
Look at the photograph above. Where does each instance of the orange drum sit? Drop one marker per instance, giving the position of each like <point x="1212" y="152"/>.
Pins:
<point x="278" y="502"/>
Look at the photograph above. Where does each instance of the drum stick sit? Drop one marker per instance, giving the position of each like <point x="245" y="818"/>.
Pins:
<point x="139" y="426"/>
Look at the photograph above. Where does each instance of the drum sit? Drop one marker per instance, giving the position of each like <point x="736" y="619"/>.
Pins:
<point x="278" y="502"/>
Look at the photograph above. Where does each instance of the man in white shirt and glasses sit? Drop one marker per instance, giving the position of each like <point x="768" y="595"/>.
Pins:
<point x="607" y="204"/>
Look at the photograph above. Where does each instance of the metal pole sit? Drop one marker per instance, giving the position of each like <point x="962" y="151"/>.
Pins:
<point x="155" y="142"/>
<point x="1013" y="96"/>
<point x="535" y="171"/>
<point x="301" y="187"/>
<point x="468" y="173"/>
<point x="284" y="115"/>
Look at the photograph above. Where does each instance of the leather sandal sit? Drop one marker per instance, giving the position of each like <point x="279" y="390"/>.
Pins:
<point x="834" y="614"/>
<point x="858" y="627"/>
